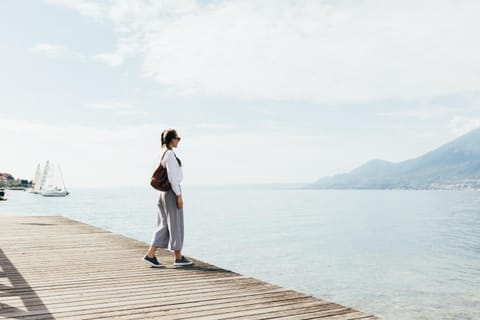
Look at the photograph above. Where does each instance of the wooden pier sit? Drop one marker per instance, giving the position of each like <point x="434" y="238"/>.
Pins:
<point x="52" y="267"/>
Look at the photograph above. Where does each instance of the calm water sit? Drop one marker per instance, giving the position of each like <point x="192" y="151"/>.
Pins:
<point x="396" y="254"/>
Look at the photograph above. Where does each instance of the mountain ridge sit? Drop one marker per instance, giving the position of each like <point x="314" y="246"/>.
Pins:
<point x="454" y="165"/>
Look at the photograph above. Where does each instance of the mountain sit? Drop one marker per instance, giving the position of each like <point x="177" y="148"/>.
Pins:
<point x="455" y="165"/>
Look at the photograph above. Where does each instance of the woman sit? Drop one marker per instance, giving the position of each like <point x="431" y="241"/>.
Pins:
<point x="170" y="215"/>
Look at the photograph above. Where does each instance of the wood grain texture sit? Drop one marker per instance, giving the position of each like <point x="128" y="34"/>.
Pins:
<point x="52" y="267"/>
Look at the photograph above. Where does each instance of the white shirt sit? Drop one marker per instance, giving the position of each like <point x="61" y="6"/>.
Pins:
<point x="174" y="171"/>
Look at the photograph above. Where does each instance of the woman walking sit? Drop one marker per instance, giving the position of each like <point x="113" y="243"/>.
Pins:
<point x="170" y="226"/>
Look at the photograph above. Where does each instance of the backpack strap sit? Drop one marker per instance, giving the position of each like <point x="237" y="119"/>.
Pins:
<point x="164" y="154"/>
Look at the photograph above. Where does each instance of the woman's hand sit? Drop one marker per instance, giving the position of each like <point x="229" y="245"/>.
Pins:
<point x="179" y="202"/>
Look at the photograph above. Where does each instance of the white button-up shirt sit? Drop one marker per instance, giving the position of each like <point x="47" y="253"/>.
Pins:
<point x="175" y="175"/>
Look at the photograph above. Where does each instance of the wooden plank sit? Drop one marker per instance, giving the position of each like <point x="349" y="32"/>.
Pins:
<point x="55" y="268"/>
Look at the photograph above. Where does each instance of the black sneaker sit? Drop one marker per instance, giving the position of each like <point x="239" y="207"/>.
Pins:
<point x="152" y="261"/>
<point x="183" y="262"/>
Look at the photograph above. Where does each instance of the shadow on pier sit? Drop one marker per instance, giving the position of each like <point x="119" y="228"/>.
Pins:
<point x="33" y="307"/>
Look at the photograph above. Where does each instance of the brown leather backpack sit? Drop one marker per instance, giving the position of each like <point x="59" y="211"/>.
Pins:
<point x="159" y="179"/>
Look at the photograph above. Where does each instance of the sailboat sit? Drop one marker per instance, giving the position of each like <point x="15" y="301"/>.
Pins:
<point x="37" y="181"/>
<point x="43" y="180"/>
<point x="52" y="184"/>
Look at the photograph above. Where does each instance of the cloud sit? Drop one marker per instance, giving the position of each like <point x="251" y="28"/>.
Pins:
<point x="113" y="59"/>
<point x="426" y="135"/>
<point x="110" y="105"/>
<point x="214" y="126"/>
<point x="48" y="49"/>
<point x="128" y="47"/>
<point x="84" y="7"/>
<point x="420" y="113"/>
<point x="460" y="125"/>
<point x="116" y="107"/>
<point x="56" y="51"/>
<point x="322" y="51"/>
<point x="264" y="111"/>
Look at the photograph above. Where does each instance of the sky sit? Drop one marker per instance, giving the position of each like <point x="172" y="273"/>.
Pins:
<point x="261" y="91"/>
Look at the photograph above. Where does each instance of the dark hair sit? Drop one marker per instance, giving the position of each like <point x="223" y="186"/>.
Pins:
<point x="167" y="136"/>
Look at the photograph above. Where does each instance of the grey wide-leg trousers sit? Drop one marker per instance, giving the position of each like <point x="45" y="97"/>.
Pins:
<point x="170" y="228"/>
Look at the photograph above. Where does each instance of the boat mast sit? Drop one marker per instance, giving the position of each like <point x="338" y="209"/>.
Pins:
<point x="61" y="177"/>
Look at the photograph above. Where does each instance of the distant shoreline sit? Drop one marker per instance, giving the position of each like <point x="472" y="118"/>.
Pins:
<point x="292" y="186"/>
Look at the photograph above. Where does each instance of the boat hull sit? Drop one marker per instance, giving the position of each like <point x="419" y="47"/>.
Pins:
<point x="3" y="195"/>
<point x="56" y="194"/>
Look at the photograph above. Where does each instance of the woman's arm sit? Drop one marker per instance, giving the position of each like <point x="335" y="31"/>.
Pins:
<point x="174" y="176"/>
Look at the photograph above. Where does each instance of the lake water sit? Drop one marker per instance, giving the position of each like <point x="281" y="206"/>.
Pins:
<point x="396" y="254"/>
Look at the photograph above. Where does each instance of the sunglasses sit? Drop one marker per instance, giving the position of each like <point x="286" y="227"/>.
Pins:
<point x="178" y="138"/>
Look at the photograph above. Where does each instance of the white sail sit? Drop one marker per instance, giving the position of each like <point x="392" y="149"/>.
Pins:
<point x="44" y="176"/>
<point x="50" y="182"/>
<point x="38" y="180"/>
<point x="53" y="185"/>
<point x="60" y="180"/>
